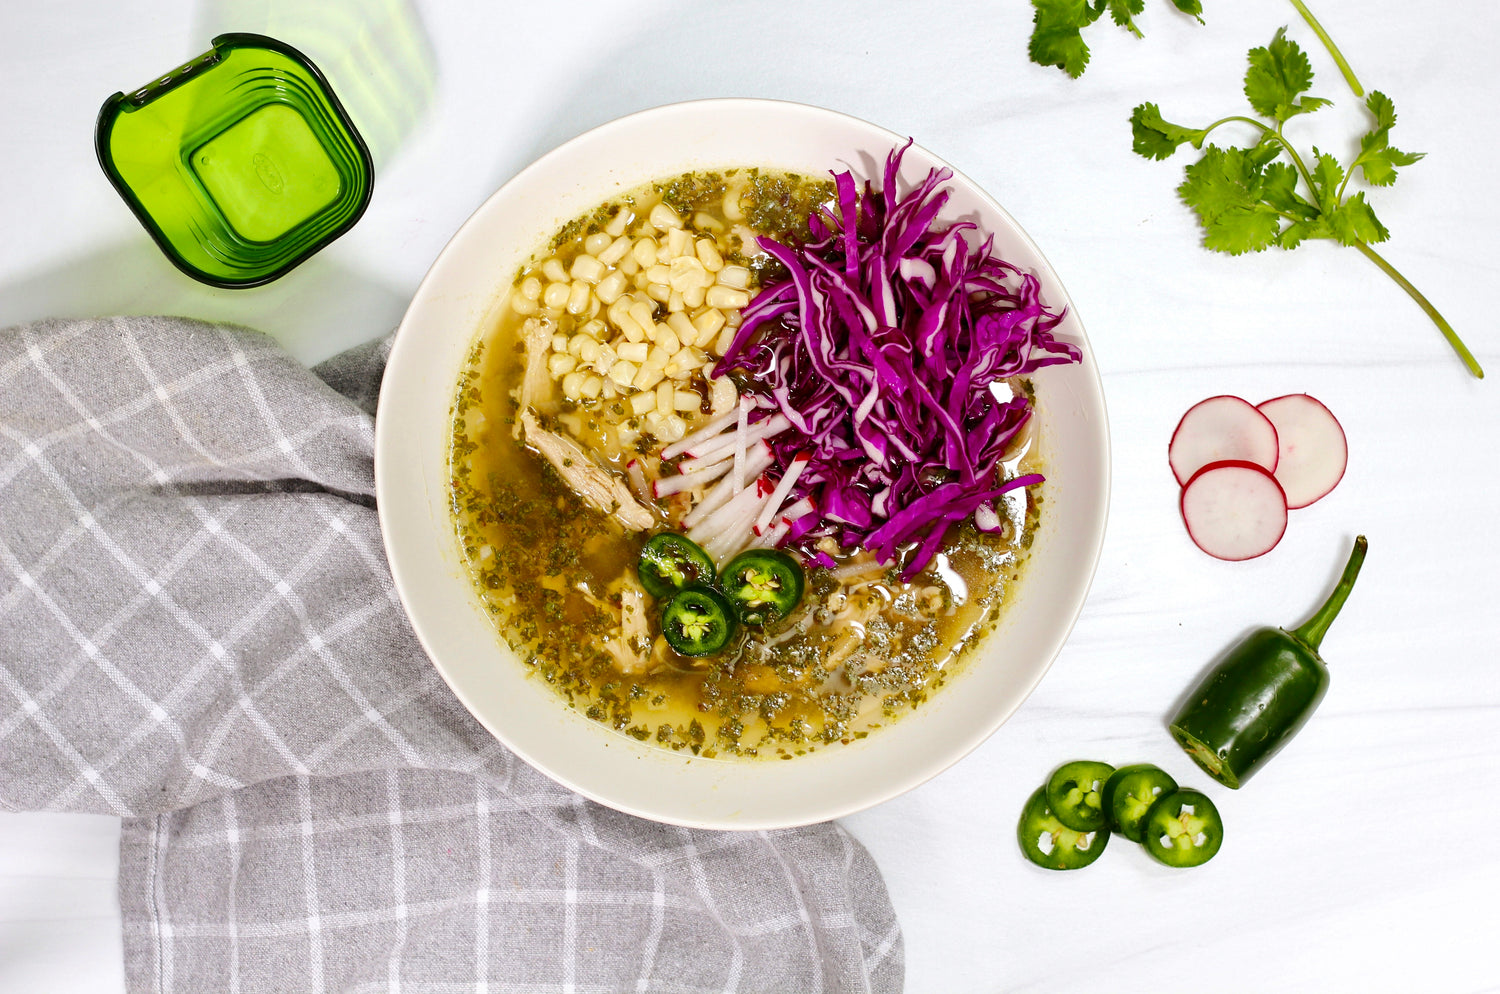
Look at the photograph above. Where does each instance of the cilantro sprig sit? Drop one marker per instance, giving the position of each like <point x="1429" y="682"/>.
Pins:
<point x="1057" y="31"/>
<point x="1268" y="194"/>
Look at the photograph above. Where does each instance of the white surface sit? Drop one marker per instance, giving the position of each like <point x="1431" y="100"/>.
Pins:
<point x="1361" y="859"/>
<point x="460" y="297"/>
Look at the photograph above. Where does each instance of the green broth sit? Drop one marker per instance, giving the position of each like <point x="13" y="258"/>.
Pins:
<point x="548" y="567"/>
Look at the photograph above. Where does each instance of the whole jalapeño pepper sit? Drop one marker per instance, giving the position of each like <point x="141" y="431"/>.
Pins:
<point x="1265" y="689"/>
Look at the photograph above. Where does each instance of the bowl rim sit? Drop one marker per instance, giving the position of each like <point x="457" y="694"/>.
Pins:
<point x="956" y="750"/>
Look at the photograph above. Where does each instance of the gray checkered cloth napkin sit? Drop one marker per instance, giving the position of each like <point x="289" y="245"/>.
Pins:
<point x="198" y="633"/>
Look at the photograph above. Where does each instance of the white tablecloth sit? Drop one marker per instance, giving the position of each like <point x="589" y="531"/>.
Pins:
<point x="1360" y="860"/>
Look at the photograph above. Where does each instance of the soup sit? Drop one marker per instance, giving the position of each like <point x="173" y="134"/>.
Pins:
<point x="574" y="427"/>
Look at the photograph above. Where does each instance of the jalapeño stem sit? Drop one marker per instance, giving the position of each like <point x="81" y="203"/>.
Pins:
<point x="1314" y="628"/>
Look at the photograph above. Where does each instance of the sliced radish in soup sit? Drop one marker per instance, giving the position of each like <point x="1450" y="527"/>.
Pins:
<point x="1234" y="510"/>
<point x="1221" y="429"/>
<point x="1312" y="450"/>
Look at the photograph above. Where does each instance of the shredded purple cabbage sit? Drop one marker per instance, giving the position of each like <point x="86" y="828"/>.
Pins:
<point x="881" y="347"/>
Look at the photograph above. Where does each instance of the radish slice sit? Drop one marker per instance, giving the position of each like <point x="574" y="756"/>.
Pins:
<point x="1312" y="447"/>
<point x="1234" y="510"/>
<point x="1221" y="429"/>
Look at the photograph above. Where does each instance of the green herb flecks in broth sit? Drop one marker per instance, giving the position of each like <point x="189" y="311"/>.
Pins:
<point x="556" y="572"/>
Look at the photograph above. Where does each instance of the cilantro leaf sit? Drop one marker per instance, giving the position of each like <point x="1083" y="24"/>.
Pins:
<point x="1249" y="199"/>
<point x="1328" y="178"/>
<point x="1280" y="192"/>
<point x="1121" y="10"/>
<point x="1057" y="28"/>
<point x="1377" y="158"/>
<point x="1156" y="138"/>
<point x="1225" y="188"/>
<point x="1278" y="73"/>
<point x="1354" y="221"/>
<point x="1055" y="37"/>
<point x="1193" y="7"/>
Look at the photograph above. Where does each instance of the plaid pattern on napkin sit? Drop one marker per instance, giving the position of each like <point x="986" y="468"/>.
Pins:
<point x="198" y="633"/>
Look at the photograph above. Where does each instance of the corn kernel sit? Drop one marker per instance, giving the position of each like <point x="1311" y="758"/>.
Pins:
<point x="722" y="394"/>
<point x="686" y="400"/>
<point x="531" y="288"/>
<point x="572" y="385"/>
<point x="596" y="243"/>
<point x="611" y="287"/>
<point x="664" y="336"/>
<point x="587" y="268"/>
<point x="686" y="271"/>
<point x="622" y="372"/>
<point x="632" y="330"/>
<point x="554" y="271"/>
<point x="642" y="403"/>
<point x="708" y="254"/>
<point x="644" y="251"/>
<point x="647" y="377"/>
<point x="556" y="295"/>
<point x="614" y="251"/>
<point x="592" y="385"/>
<point x="682" y="327"/>
<point x="643" y="313"/>
<point x="726" y="298"/>
<point x="560" y="363"/>
<point x="708" y="323"/>
<point x="664" y="218"/>
<point x="737" y="277"/>
<point x="578" y="297"/>
<point x="634" y="351"/>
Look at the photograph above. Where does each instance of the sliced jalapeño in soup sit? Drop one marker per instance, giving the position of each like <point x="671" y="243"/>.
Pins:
<point x="764" y="585"/>
<point x="697" y="621"/>
<point x="669" y="562"/>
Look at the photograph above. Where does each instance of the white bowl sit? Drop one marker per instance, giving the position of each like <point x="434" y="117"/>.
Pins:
<point x="411" y="473"/>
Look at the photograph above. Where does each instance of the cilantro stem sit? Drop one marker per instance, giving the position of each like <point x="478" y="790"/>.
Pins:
<point x="1469" y="361"/>
<point x="1333" y="50"/>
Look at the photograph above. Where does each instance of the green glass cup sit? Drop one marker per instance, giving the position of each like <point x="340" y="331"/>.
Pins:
<point x="241" y="163"/>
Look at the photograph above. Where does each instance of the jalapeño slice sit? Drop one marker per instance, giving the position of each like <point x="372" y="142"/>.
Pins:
<point x="764" y="585"/>
<point x="1129" y="794"/>
<point x="1052" y="845"/>
<point x="1183" y="828"/>
<point x="669" y="562"/>
<point x="1076" y="795"/>
<point x="697" y="621"/>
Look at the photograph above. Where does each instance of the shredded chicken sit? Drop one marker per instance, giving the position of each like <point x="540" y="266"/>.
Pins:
<point x="635" y="629"/>
<point x="536" y="382"/>
<point x="595" y="484"/>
